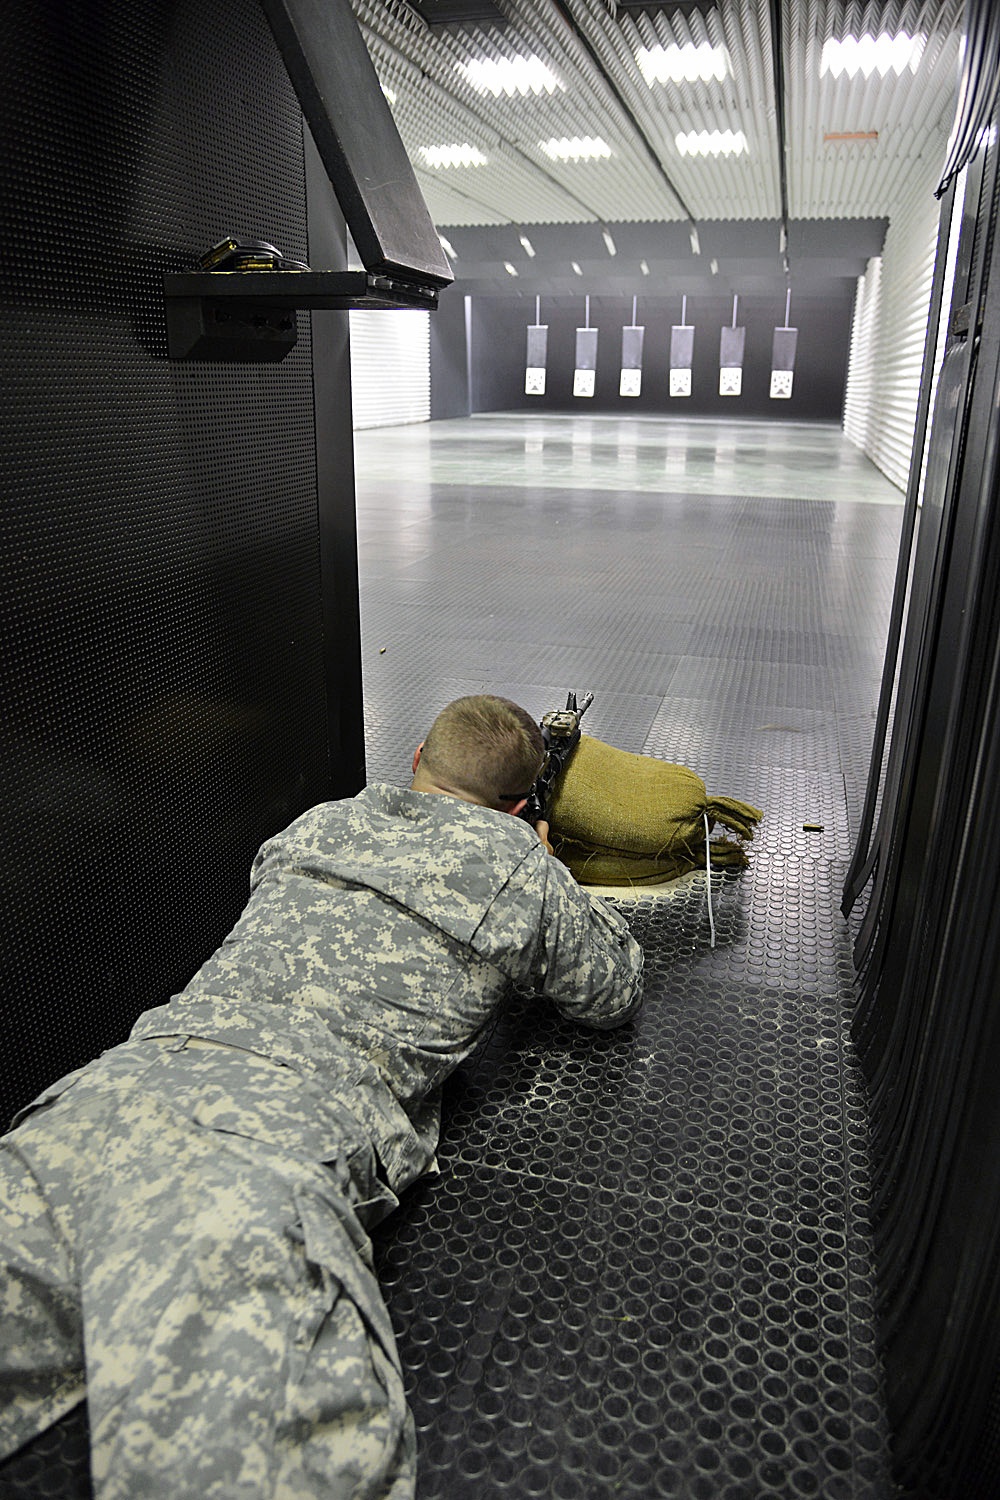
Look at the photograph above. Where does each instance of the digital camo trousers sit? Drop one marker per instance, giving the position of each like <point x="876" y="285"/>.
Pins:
<point x="191" y="1217"/>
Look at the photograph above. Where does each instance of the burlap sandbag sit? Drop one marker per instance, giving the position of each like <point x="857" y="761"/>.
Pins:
<point x="623" y="819"/>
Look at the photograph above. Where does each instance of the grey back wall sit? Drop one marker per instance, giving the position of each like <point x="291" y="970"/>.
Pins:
<point x="478" y="355"/>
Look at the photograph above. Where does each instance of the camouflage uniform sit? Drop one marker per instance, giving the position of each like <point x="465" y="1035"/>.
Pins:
<point x="193" y="1207"/>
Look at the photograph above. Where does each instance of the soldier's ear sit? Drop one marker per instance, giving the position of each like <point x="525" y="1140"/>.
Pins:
<point x="416" y="757"/>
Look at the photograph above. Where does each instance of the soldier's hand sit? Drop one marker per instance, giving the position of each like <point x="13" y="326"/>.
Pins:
<point x="542" y="829"/>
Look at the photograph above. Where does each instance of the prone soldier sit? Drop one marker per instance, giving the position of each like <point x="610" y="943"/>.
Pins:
<point x="184" y="1221"/>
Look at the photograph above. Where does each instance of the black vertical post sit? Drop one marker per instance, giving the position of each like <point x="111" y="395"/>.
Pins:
<point x="336" y="493"/>
<point x="469" y="408"/>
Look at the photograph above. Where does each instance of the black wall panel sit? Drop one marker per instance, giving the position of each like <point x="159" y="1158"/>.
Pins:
<point x="163" y="668"/>
<point x="498" y="356"/>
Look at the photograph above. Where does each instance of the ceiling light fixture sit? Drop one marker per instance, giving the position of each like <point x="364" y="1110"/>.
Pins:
<point x="448" y="248"/>
<point x="675" y="64"/>
<point x="608" y="242"/>
<point x="695" y="241"/>
<point x="510" y="75"/>
<point x="576" y="268"/>
<point x="526" y="245"/>
<point x="577" y="148"/>
<point x="510" y="268"/>
<point x="643" y="268"/>
<point x="870" y="54"/>
<point x="462" y="155"/>
<point x="389" y="93"/>
<point x="712" y="143"/>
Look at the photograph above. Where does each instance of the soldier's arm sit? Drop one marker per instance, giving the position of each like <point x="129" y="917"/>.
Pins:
<point x="586" y="962"/>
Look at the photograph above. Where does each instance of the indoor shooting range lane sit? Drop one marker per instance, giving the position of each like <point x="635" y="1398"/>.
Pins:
<point x="645" y="1269"/>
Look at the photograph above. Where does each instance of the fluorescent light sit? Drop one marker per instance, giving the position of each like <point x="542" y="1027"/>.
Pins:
<point x="643" y="268"/>
<point x="712" y="143"/>
<point x="609" y="243"/>
<point x="713" y="266"/>
<point x="579" y="148"/>
<point x="870" y="54"/>
<point x="526" y="245"/>
<point x="510" y="75"/>
<point x="453" y="156"/>
<point x="683" y="64"/>
<point x="447" y="247"/>
<point x="695" y="241"/>
<point x="389" y="93"/>
<point x="510" y="268"/>
<point x="576" y="268"/>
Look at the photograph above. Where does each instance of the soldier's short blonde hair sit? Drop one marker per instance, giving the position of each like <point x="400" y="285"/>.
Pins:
<point x="485" y="746"/>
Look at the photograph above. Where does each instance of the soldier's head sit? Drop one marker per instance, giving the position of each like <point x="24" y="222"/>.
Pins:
<point x="483" y="749"/>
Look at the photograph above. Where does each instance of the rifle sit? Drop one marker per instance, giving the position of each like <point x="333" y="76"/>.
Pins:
<point x="561" y="734"/>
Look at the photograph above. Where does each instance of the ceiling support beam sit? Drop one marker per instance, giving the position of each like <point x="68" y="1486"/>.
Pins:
<point x="567" y="15"/>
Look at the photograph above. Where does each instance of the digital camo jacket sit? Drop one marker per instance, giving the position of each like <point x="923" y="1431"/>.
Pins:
<point x="381" y="933"/>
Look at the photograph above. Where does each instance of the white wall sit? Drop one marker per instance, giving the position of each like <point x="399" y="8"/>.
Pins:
<point x="390" y="368"/>
<point x="887" y="340"/>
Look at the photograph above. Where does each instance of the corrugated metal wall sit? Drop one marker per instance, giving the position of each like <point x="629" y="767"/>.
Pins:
<point x="887" y="342"/>
<point x="390" y="368"/>
<point x="861" y="377"/>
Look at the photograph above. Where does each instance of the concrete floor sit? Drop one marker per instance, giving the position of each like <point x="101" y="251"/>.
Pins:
<point x="794" y="460"/>
<point x="687" y="1311"/>
<point x="528" y="555"/>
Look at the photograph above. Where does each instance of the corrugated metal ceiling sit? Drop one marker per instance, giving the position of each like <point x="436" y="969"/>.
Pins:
<point x="899" y="109"/>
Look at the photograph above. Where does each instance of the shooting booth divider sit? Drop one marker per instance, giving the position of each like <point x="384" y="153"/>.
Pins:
<point x="536" y="355"/>
<point x="585" y="373"/>
<point x="630" y="383"/>
<point x="681" y="354"/>
<point x="926" y="1025"/>
<point x="182" y="665"/>
<point x="341" y="98"/>
<point x="731" y="348"/>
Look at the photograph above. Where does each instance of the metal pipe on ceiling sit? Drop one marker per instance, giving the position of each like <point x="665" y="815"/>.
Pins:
<point x="567" y="15"/>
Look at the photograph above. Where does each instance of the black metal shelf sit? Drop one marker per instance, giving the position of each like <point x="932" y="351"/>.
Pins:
<point x="306" y="289"/>
<point x="250" y="315"/>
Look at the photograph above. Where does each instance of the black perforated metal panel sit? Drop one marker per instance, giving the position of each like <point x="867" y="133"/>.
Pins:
<point x="161" y="618"/>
